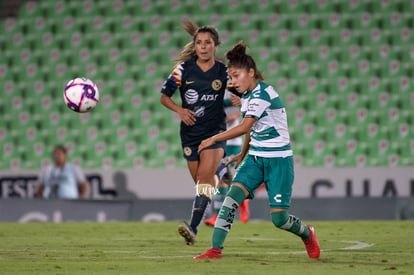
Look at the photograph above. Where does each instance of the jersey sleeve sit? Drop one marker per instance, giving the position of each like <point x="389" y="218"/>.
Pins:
<point x="44" y="175"/>
<point x="41" y="176"/>
<point x="173" y="81"/>
<point x="43" y="179"/>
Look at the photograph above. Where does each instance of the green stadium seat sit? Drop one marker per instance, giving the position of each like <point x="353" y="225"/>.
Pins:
<point x="331" y="68"/>
<point x="364" y="21"/>
<point x="116" y="8"/>
<point x="403" y="36"/>
<point x="125" y="157"/>
<point x="312" y="160"/>
<point x="9" y="26"/>
<point x="377" y="152"/>
<point x="401" y="84"/>
<point x="392" y="20"/>
<point x="284" y="38"/>
<point x="318" y="7"/>
<point x="374" y="36"/>
<point x="362" y="67"/>
<point x="334" y="21"/>
<point x="406" y="6"/>
<point x="29" y="9"/>
<point x="390" y="68"/>
<point x="348" y="155"/>
<point x="303" y="21"/>
<point x="381" y="53"/>
<point x="372" y="85"/>
<point x="289" y="7"/>
<point x="18" y="41"/>
<point x="406" y="54"/>
<point x="406" y="153"/>
<point x="5" y="72"/>
<point x="301" y="68"/>
<point x="343" y="38"/>
<point x="382" y="6"/>
<point x="311" y="37"/>
<point x="275" y="20"/>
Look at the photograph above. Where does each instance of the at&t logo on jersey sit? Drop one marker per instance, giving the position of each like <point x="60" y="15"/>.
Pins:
<point x="209" y="97"/>
<point x="191" y="96"/>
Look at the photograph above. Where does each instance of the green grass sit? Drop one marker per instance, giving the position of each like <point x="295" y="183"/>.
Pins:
<point x="374" y="247"/>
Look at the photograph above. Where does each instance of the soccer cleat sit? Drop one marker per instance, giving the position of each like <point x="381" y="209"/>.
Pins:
<point x="211" y="253"/>
<point x="186" y="232"/>
<point x="244" y="211"/>
<point x="312" y="245"/>
<point x="211" y="221"/>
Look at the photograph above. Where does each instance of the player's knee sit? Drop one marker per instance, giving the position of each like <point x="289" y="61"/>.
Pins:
<point x="209" y="178"/>
<point x="237" y="193"/>
<point x="279" y="218"/>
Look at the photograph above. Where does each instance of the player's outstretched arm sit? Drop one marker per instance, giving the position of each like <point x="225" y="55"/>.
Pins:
<point x="242" y="128"/>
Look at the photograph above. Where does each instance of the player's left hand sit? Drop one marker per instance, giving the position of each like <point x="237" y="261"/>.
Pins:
<point x="205" y="143"/>
<point x="237" y="159"/>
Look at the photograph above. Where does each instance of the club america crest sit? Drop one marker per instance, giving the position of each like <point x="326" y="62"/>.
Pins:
<point x="216" y="85"/>
<point x="187" y="151"/>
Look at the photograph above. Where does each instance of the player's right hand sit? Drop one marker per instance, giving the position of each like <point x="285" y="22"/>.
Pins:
<point x="187" y="117"/>
<point x="236" y="158"/>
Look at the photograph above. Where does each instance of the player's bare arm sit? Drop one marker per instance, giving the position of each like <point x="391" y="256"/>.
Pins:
<point x="240" y="156"/>
<point x="242" y="128"/>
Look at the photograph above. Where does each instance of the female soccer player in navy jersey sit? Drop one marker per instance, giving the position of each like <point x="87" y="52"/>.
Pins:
<point x="201" y="80"/>
<point x="266" y="154"/>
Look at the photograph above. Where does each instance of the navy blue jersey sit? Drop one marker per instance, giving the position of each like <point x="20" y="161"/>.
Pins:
<point x="203" y="93"/>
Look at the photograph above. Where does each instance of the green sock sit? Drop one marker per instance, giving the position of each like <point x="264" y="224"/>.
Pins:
<point x="290" y="223"/>
<point x="225" y="218"/>
<point x="218" y="199"/>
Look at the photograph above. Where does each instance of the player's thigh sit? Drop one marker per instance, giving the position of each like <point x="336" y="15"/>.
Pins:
<point x="279" y="177"/>
<point x="209" y="161"/>
<point x="250" y="174"/>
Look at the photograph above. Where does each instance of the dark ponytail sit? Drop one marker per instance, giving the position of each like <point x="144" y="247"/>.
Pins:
<point x="238" y="58"/>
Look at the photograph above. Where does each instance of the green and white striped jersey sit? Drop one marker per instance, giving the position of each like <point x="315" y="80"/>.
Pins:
<point x="269" y="134"/>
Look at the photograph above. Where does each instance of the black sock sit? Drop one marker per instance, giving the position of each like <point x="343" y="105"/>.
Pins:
<point x="199" y="208"/>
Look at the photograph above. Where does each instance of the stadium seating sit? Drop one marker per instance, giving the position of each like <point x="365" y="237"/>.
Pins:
<point x="343" y="68"/>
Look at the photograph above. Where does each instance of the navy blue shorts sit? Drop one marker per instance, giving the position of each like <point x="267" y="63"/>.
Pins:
<point x="190" y="152"/>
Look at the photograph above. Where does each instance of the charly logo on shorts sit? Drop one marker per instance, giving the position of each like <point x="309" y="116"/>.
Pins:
<point x="216" y="84"/>
<point x="191" y="96"/>
<point x="187" y="151"/>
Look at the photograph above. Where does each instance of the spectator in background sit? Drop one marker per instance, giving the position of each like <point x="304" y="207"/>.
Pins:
<point x="62" y="179"/>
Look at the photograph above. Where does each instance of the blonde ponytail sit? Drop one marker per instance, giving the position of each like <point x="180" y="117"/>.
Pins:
<point x="188" y="51"/>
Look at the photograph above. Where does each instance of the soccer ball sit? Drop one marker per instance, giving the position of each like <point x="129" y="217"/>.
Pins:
<point x="81" y="95"/>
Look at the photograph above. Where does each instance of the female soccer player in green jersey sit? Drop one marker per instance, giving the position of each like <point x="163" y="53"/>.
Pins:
<point x="266" y="154"/>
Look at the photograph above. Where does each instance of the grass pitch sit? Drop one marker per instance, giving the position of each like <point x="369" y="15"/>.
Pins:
<point x="352" y="247"/>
